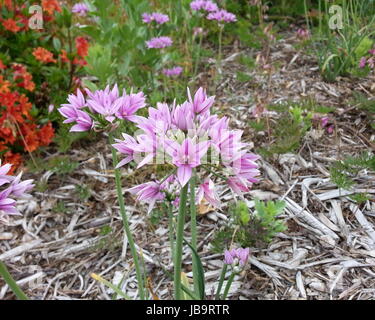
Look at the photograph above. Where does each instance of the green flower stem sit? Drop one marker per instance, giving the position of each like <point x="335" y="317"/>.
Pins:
<point x="171" y="229"/>
<point x="221" y="281"/>
<point x="221" y="27"/>
<point x="198" y="50"/>
<point x="179" y="240"/>
<point x="193" y="228"/>
<point x="227" y="287"/>
<point x="11" y="282"/>
<point x="126" y="222"/>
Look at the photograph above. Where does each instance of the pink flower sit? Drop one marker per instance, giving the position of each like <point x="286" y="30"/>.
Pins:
<point x="205" y="5"/>
<point x="84" y="122"/>
<point x="238" y="185"/>
<point x="4" y="177"/>
<point x="105" y="102"/>
<point x="130" y="104"/>
<point x="183" y="117"/>
<point x="207" y="190"/>
<point x="148" y="192"/>
<point x="222" y="16"/>
<point x="76" y="101"/>
<point x="362" y="62"/>
<point x="324" y="121"/>
<point x="21" y="188"/>
<point x="172" y="72"/>
<point x="159" y="43"/>
<point x="186" y="156"/>
<point x="303" y="34"/>
<point x="159" y="18"/>
<point x="11" y="187"/>
<point x="236" y="257"/>
<point x="201" y="103"/>
<point x="80" y="8"/>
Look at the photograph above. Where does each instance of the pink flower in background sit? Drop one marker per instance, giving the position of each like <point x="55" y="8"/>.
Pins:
<point x="325" y="123"/>
<point x="222" y="16"/>
<point x="159" y="43"/>
<point x="11" y="187"/>
<point x="81" y="9"/>
<point x="303" y="34"/>
<point x="148" y="192"/>
<point x="362" y="62"/>
<point x="205" y="5"/>
<point x="130" y="104"/>
<point x="176" y="71"/>
<point x="159" y="18"/>
<point x="236" y="257"/>
<point x="199" y="31"/>
<point x="371" y="62"/>
<point x="207" y="191"/>
<point x="107" y="103"/>
<point x="51" y="107"/>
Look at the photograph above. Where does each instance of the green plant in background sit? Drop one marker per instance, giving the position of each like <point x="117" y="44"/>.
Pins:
<point x="250" y="228"/>
<point x="343" y="172"/>
<point x="339" y="50"/>
<point x="293" y="121"/>
<point x="288" y="131"/>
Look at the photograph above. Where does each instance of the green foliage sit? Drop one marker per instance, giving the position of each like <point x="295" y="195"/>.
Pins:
<point x="288" y="132"/>
<point x="360" y="198"/>
<point x="60" y="207"/>
<point x="243" y="77"/>
<point x="250" y="228"/>
<point x="83" y="192"/>
<point x="338" y="51"/>
<point x="64" y="140"/>
<point x="343" y="172"/>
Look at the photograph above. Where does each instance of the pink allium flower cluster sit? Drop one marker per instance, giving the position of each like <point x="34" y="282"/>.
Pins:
<point x="369" y="61"/>
<point x="159" y="43"/>
<point x="222" y="16"/>
<point x="100" y="107"/>
<point x="11" y="187"/>
<point x="237" y="258"/>
<point x="325" y="123"/>
<point x="159" y="18"/>
<point x="186" y="137"/>
<point x="214" y="13"/>
<point x="81" y="9"/>
<point x="303" y="34"/>
<point x="205" y="5"/>
<point x="176" y="71"/>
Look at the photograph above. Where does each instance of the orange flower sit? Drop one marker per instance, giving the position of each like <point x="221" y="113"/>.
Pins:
<point x="4" y="85"/>
<point x="43" y="55"/>
<point x="50" y="6"/>
<point x="26" y="78"/>
<point x="11" y="25"/>
<point x="79" y="62"/>
<point x="64" y="56"/>
<point x="13" y="158"/>
<point x="46" y="134"/>
<point x="8" y="4"/>
<point x="82" y="46"/>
